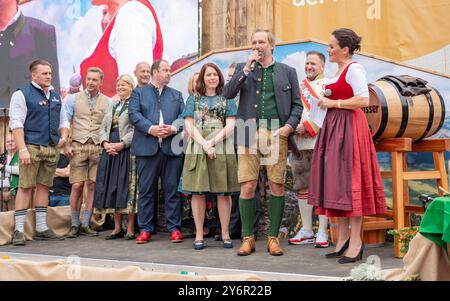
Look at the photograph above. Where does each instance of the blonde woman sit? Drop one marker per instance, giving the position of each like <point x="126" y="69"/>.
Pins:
<point x="116" y="177"/>
<point x="191" y="84"/>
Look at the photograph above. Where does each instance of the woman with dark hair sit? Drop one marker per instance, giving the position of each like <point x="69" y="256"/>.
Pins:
<point x="210" y="165"/>
<point x="345" y="151"/>
<point x="210" y="223"/>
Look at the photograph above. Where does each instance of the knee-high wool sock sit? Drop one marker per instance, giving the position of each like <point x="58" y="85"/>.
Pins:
<point x="306" y="211"/>
<point x="276" y="210"/>
<point x="247" y="209"/>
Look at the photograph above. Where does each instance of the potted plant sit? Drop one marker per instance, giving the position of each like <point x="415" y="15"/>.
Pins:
<point x="404" y="236"/>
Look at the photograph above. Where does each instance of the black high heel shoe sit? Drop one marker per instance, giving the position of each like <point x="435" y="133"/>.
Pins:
<point x="358" y="257"/>
<point x="340" y="252"/>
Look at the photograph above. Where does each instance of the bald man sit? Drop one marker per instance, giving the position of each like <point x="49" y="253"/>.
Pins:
<point x="142" y="73"/>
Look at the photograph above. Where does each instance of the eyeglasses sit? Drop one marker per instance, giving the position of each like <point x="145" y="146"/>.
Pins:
<point x="43" y="103"/>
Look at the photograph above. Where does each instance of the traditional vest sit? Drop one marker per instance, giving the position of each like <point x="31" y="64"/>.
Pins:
<point x="267" y="103"/>
<point x="86" y="122"/>
<point x="102" y="58"/>
<point x="41" y="125"/>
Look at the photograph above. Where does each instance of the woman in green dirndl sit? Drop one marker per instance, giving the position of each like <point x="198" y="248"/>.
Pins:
<point x="210" y="165"/>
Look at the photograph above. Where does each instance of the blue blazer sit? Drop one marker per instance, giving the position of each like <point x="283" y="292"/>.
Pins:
<point x="143" y="111"/>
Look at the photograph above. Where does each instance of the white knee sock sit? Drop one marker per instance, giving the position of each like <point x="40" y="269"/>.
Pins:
<point x="20" y="216"/>
<point x="323" y="223"/>
<point x="41" y="219"/>
<point x="306" y="211"/>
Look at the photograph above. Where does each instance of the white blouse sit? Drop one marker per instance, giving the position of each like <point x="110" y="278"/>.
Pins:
<point x="356" y="78"/>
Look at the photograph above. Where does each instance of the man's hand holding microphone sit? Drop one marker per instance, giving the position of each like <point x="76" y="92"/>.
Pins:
<point x="252" y="59"/>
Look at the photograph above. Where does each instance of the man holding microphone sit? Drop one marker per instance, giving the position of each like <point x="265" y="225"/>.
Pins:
<point x="269" y="112"/>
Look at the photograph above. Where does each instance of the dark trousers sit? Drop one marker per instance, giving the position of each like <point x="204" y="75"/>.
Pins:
<point x="150" y="169"/>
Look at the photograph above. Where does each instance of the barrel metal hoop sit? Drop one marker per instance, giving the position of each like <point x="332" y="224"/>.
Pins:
<point x="405" y="111"/>
<point x="430" y="117"/>
<point x="384" y="112"/>
<point x="441" y="99"/>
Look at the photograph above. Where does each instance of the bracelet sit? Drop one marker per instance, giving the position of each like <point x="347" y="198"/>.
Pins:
<point x="23" y="149"/>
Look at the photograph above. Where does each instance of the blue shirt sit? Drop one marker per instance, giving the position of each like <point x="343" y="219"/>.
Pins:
<point x="70" y="103"/>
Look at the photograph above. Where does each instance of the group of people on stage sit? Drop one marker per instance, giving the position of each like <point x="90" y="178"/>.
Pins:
<point x="215" y="143"/>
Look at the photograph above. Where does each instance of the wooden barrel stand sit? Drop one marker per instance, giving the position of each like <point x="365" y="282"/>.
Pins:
<point x="402" y="209"/>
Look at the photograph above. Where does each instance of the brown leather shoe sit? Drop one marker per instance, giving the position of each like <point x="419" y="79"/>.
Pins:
<point x="273" y="246"/>
<point x="247" y="246"/>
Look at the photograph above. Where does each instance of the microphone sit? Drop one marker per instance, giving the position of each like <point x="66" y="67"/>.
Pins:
<point x="327" y="92"/>
<point x="253" y="65"/>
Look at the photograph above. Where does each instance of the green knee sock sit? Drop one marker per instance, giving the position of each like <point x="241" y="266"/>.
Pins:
<point x="247" y="209"/>
<point x="276" y="210"/>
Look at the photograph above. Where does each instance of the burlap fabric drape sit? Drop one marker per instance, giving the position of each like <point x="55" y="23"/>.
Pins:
<point x="425" y="258"/>
<point x="58" y="219"/>
<point x="19" y="270"/>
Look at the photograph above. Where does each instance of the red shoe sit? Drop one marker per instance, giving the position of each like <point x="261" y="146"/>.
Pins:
<point x="176" y="236"/>
<point x="143" y="238"/>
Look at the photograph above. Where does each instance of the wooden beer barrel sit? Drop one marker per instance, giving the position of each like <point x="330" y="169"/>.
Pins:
<point x="392" y="115"/>
<point x="374" y="238"/>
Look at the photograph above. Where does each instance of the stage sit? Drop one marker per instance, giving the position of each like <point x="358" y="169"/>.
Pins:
<point x="160" y="255"/>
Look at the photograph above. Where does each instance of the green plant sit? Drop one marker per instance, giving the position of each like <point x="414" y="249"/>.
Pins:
<point x="404" y="237"/>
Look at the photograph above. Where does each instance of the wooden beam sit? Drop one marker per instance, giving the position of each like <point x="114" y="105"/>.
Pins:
<point x="231" y="24"/>
<point x="386" y="174"/>
<point x="431" y="145"/>
<point x="397" y="196"/>
<point x="406" y="191"/>
<point x="377" y="225"/>
<point x="251" y="17"/>
<point x="241" y="23"/>
<point x="394" y="145"/>
<point x="214" y="15"/>
<point x="439" y="163"/>
<point x="264" y="15"/>
<point x="421" y="175"/>
<point x="415" y="209"/>
<point x="388" y="213"/>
